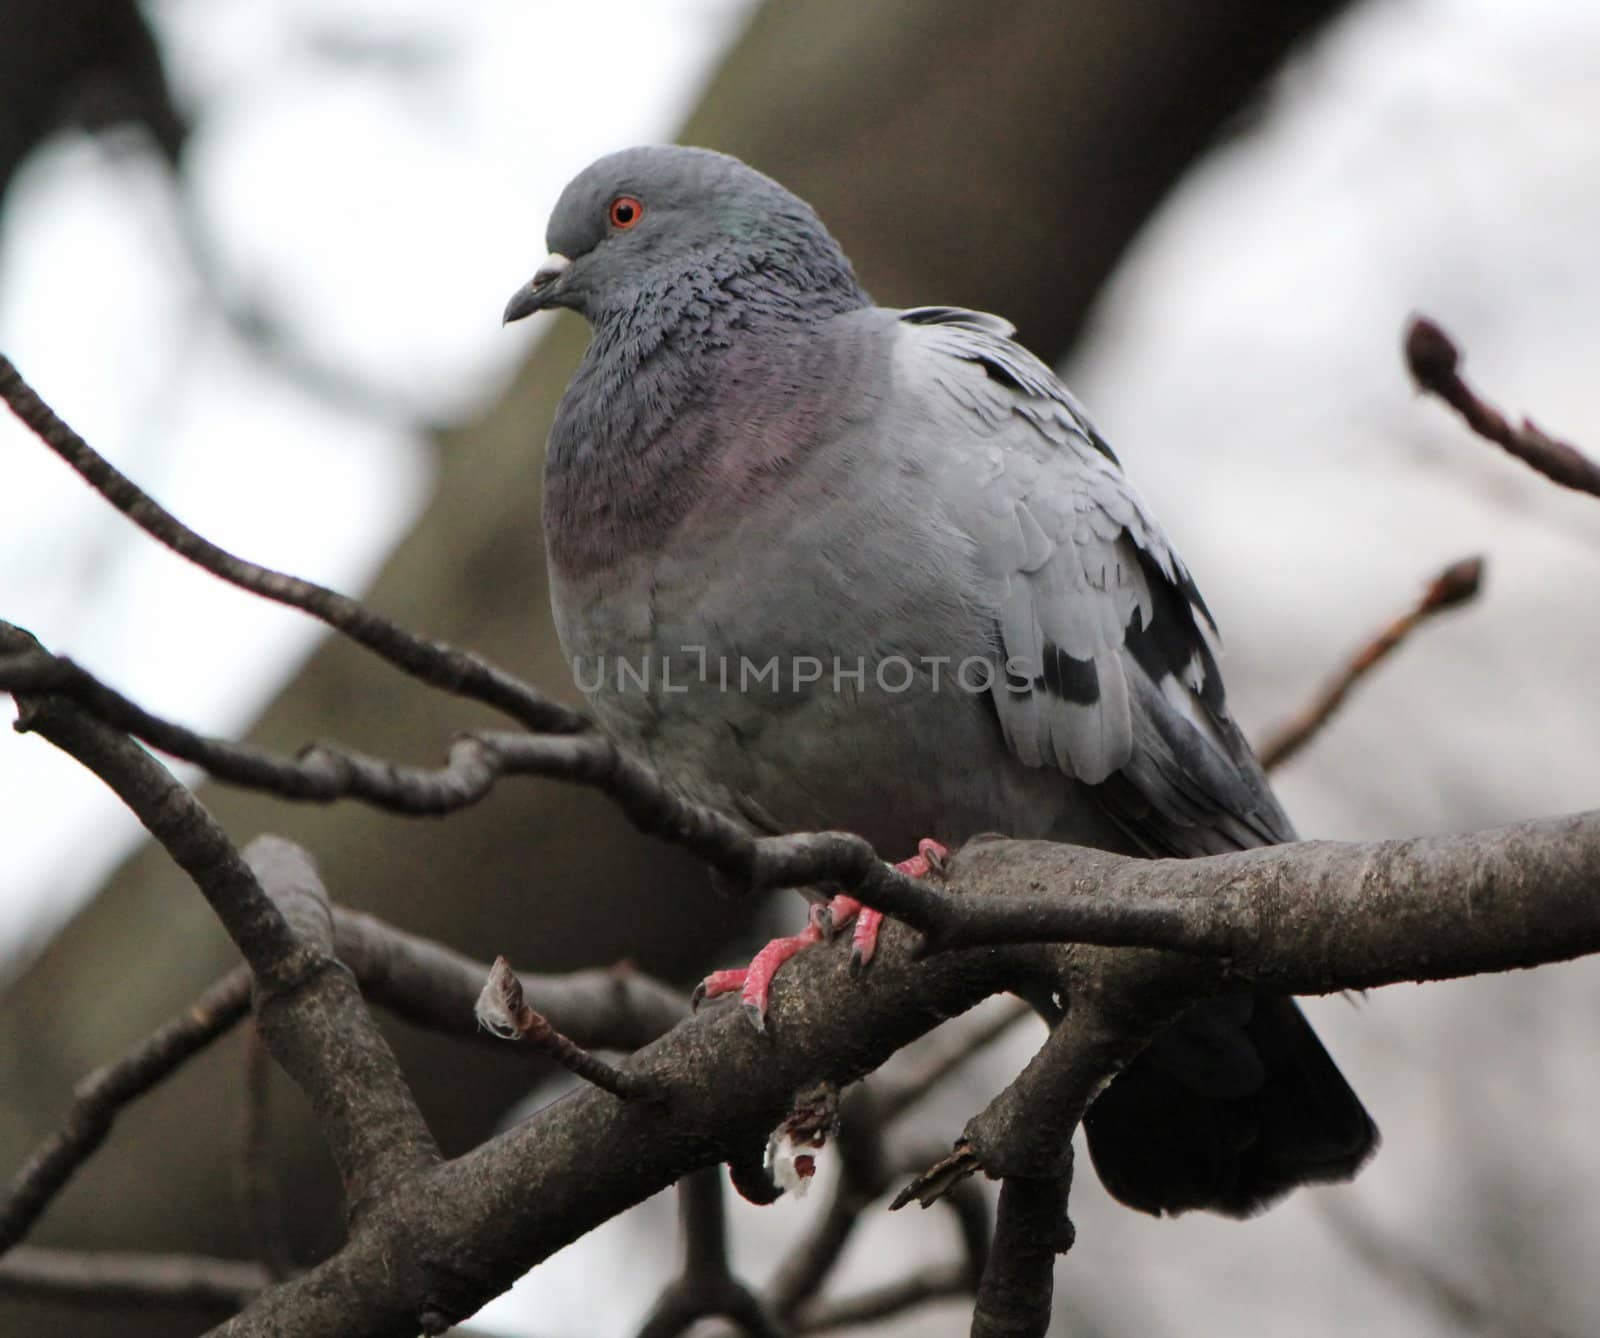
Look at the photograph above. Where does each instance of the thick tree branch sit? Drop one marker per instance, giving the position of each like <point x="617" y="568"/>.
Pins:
<point x="1323" y="917"/>
<point x="501" y="1208"/>
<point x="1031" y="1228"/>
<point x="1198" y="906"/>
<point x="1308" y="918"/>
<point x="308" y="1007"/>
<point x="320" y="1032"/>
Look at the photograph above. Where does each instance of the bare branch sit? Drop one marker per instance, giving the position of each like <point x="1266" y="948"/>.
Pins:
<point x="1455" y="585"/>
<point x="941" y="1055"/>
<point x="937" y="1282"/>
<point x="1030" y="1230"/>
<point x="706" y="1288"/>
<point x="106" y="1278"/>
<point x="318" y="1028"/>
<point x="434" y="986"/>
<point x="723" y="1080"/>
<point x="100" y="1097"/>
<point x="413" y="977"/>
<point x="865" y="1173"/>
<point x="177" y="821"/>
<point x="1396" y="1261"/>
<point x="1435" y="361"/>
<point x="255" y="1183"/>
<point x="1309" y="918"/>
<point x="502" y="1009"/>
<point x="476" y="762"/>
<point x="581" y="1160"/>
<point x="433" y="662"/>
<point x="308" y="1007"/>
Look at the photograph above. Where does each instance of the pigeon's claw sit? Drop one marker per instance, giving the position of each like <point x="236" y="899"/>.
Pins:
<point x="716" y="985"/>
<point x="754" y="982"/>
<point x="929" y="859"/>
<point x="757" y="984"/>
<point x="864" y="942"/>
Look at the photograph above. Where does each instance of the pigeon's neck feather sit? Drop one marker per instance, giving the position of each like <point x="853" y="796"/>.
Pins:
<point x="692" y="405"/>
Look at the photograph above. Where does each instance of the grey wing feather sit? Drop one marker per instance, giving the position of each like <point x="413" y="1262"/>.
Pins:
<point x="1108" y="650"/>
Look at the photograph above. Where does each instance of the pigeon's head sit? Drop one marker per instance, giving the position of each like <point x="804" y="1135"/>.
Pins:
<point x="636" y="223"/>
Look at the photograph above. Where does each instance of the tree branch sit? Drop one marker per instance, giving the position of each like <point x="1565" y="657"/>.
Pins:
<point x="319" y="1030"/>
<point x="433" y="662"/>
<point x="100" y="1097"/>
<point x="308" y="1007"/>
<point x="616" y="1008"/>
<point x="476" y="762"/>
<point x="107" y="1278"/>
<point x="503" y="1010"/>
<point x="1030" y="1230"/>
<point x="1309" y="918"/>
<point x="706" y="1288"/>
<point x="1435" y="364"/>
<point x="936" y="1282"/>
<point x="1455" y="585"/>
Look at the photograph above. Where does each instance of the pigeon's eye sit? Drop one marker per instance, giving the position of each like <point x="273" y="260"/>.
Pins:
<point x="625" y="211"/>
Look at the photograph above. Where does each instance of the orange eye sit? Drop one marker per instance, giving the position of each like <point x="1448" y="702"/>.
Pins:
<point x="625" y="211"/>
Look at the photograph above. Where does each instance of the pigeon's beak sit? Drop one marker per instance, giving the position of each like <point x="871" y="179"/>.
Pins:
<point x="536" y="293"/>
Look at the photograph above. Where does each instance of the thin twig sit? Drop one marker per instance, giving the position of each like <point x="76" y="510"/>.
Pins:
<point x="941" y="1055"/>
<point x="108" y="1278"/>
<point x="1455" y="585"/>
<point x="476" y="762"/>
<point x="426" y="983"/>
<point x="101" y="1096"/>
<point x="865" y="1173"/>
<point x="1398" y="1262"/>
<point x="937" y="1282"/>
<point x="433" y="662"/>
<point x="504" y="1011"/>
<point x="1435" y="364"/>
<point x="706" y="1287"/>
<point x="863" y="1177"/>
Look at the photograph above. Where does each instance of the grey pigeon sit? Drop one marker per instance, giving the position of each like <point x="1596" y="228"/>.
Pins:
<point x="830" y="565"/>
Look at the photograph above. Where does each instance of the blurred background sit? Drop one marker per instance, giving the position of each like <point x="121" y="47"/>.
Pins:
<point x="256" y="250"/>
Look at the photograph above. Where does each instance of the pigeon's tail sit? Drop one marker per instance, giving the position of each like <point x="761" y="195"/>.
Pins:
<point x="1229" y="1109"/>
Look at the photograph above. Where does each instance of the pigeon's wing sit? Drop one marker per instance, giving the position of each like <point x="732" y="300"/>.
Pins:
<point x="1107" y="650"/>
<point x="1113" y="679"/>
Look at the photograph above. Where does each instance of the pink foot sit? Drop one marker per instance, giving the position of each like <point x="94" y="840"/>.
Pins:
<point x="754" y="982"/>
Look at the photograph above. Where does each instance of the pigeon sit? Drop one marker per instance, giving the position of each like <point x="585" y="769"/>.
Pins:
<point x="828" y="565"/>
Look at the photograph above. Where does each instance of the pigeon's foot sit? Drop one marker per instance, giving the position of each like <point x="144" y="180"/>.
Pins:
<point x="754" y="982"/>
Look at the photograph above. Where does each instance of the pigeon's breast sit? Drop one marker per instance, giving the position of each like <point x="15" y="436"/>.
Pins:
<point x="820" y="661"/>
